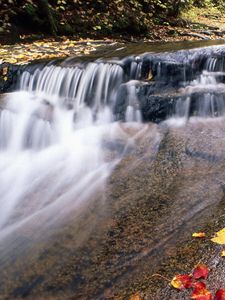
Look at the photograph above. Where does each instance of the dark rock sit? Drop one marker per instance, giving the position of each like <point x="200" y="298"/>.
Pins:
<point x="8" y="77"/>
<point x="155" y="108"/>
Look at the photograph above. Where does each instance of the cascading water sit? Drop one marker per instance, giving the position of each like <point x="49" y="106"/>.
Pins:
<point x="53" y="128"/>
<point x="95" y="195"/>
<point x="205" y="94"/>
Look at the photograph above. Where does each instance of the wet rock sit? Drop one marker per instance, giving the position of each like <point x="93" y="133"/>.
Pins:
<point x="157" y="108"/>
<point x="8" y="77"/>
<point x="155" y="80"/>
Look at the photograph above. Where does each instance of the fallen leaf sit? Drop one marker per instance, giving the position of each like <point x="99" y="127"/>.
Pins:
<point x="223" y="253"/>
<point x="201" y="271"/>
<point x="199" y="234"/>
<point x="5" y="71"/>
<point x="20" y="56"/>
<point x="181" y="282"/>
<point x="150" y="75"/>
<point x="220" y="237"/>
<point x="199" y="285"/>
<point x="135" y="297"/>
<point x="12" y="60"/>
<point x="200" y="292"/>
<point x="220" y="295"/>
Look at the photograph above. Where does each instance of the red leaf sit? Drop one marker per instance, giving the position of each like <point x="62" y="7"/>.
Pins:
<point x="220" y="295"/>
<point x="181" y="282"/>
<point x="198" y="286"/>
<point x="200" y="292"/>
<point x="201" y="271"/>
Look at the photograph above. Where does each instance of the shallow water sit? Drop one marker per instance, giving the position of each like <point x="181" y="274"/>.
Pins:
<point x="123" y="50"/>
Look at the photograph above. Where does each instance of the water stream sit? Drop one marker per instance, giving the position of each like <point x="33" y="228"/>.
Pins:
<point x="52" y="128"/>
<point x="68" y="125"/>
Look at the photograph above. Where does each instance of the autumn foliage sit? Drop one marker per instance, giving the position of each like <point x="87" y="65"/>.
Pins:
<point x="200" y="290"/>
<point x="80" y="16"/>
<point x="199" y="235"/>
<point x="201" y="271"/>
<point x="220" y="295"/>
<point x="181" y="282"/>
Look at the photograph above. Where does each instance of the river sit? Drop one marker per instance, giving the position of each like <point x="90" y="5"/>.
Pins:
<point x="106" y="165"/>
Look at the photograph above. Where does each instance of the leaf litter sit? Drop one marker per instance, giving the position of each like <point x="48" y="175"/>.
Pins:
<point x="23" y="53"/>
<point x="200" y="272"/>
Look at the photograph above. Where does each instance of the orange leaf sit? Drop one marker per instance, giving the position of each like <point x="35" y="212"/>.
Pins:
<point x="135" y="297"/>
<point x="201" y="271"/>
<point x="200" y="292"/>
<point x="220" y="295"/>
<point x="199" y="234"/>
<point x="181" y="282"/>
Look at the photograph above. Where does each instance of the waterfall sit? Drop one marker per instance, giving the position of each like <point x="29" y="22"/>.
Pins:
<point x="205" y="94"/>
<point x="53" y="128"/>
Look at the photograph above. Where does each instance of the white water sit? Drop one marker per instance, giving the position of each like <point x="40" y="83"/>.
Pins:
<point x="209" y="100"/>
<point x="51" y="158"/>
<point x="52" y="161"/>
<point x="47" y="169"/>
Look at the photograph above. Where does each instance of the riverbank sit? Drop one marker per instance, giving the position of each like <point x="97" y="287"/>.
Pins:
<point x="195" y="25"/>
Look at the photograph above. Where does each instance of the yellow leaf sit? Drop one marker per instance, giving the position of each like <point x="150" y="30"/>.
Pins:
<point x="20" y="56"/>
<point x="36" y="55"/>
<point x="12" y="60"/>
<point x="175" y="283"/>
<point x="220" y="237"/>
<point x="181" y="282"/>
<point x="223" y="253"/>
<point x="150" y="76"/>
